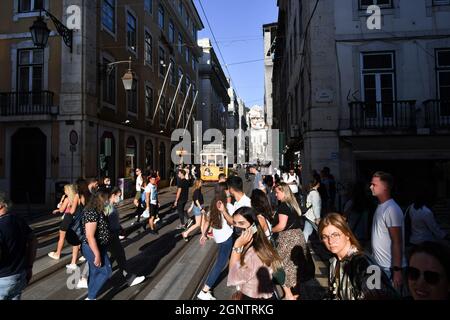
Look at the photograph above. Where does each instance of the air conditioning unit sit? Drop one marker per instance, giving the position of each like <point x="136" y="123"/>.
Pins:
<point x="295" y="132"/>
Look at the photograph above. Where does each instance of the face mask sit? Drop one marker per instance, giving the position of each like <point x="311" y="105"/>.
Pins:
<point x="238" y="231"/>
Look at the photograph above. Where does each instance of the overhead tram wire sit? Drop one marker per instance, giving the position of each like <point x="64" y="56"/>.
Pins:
<point x="218" y="48"/>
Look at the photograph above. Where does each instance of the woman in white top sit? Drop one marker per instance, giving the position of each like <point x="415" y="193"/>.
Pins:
<point x="423" y="224"/>
<point x="313" y="205"/>
<point x="221" y="223"/>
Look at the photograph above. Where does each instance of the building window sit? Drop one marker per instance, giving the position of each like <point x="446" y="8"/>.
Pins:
<point x="161" y="17"/>
<point x="30" y="5"/>
<point x="148" y="49"/>
<point x="188" y="83"/>
<point x="130" y="157"/>
<point x="180" y="7"/>
<point x="148" y="6"/>
<point x="109" y="15"/>
<point x="132" y="98"/>
<point x="194" y="32"/>
<point x="149" y="154"/>
<point x="378" y="83"/>
<point x="443" y="80"/>
<point x="30" y="66"/>
<point x="188" y="19"/>
<point x="173" y="73"/>
<point x="441" y="2"/>
<point x="131" y="32"/>
<point x="148" y="102"/>
<point x="180" y="75"/>
<point x="162" y="160"/>
<point x="364" y="4"/>
<point x="109" y="85"/>
<point x="162" y="112"/>
<point x="107" y="156"/>
<point x="180" y="43"/>
<point x="171" y="32"/>
<point x="162" y="61"/>
<point x="187" y="56"/>
<point x="194" y="62"/>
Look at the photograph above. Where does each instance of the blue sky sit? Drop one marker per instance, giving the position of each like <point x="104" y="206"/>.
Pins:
<point x="237" y="25"/>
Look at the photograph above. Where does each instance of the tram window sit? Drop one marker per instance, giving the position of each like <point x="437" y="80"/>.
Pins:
<point x="211" y="160"/>
<point x="220" y="161"/>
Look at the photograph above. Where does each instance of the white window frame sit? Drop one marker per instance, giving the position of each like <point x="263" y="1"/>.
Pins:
<point x="23" y="15"/>
<point x="377" y="73"/>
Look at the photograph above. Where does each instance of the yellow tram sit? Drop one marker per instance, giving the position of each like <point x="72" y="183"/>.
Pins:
<point x="214" y="162"/>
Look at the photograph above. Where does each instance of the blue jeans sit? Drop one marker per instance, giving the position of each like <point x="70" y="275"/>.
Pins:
<point x="221" y="262"/>
<point x="11" y="287"/>
<point x="97" y="276"/>
<point x="307" y="231"/>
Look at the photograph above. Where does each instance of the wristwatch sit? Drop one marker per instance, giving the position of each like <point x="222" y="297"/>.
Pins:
<point x="395" y="268"/>
<point x="238" y="249"/>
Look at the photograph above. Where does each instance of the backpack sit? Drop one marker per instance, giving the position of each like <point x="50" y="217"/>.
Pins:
<point x="74" y="235"/>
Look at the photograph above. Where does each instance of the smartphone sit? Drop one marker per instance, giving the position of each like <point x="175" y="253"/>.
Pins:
<point x="254" y="228"/>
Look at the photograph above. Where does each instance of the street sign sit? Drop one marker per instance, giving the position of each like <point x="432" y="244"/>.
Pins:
<point x="73" y="137"/>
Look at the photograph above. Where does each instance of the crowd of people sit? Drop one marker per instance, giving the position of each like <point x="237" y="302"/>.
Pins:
<point x="265" y="238"/>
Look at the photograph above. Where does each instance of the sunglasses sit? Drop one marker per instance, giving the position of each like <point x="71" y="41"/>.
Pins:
<point x="430" y="277"/>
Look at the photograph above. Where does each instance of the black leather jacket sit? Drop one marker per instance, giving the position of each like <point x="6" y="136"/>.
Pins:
<point x="357" y="277"/>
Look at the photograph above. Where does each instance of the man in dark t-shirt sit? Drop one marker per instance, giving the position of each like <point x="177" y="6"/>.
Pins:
<point x="17" y="253"/>
<point x="181" y="197"/>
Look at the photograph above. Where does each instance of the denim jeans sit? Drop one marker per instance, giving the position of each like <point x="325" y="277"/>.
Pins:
<point x="97" y="275"/>
<point x="307" y="231"/>
<point x="11" y="287"/>
<point x="221" y="262"/>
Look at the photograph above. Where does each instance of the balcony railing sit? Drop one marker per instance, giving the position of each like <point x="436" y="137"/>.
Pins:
<point x="383" y="115"/>
<point x="437" y="114"/>
<point x="26" y="103"/>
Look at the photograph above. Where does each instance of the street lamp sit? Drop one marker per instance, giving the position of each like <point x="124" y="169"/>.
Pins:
<point x="128" y="78"/>
<point x="40" y="31"/>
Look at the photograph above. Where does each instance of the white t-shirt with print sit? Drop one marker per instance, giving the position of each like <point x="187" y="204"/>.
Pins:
<point x="387" y="215"/>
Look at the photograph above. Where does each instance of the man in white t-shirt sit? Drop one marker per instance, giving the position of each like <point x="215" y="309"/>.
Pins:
<point x="388" y="229"/>
<point x="235" y="186"/>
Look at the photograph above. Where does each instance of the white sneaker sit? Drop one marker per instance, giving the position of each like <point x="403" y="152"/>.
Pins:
<point x="205" y="295"/>
<point x="121" y="237"/>
<point x="156" y="220"/>
<point x="137" y="280"/>
<point x="71" y="266"/>
<point x="89" y="299"/>
<point x="82" y="284"/>
<point x="82" y="259"/>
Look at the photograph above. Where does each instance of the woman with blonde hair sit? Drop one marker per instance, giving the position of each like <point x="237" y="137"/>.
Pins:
<point x="350" y="276"/>
<point x="291" y="242"/>
<point x="68" y="205"/>
<point x="196" y="207"/>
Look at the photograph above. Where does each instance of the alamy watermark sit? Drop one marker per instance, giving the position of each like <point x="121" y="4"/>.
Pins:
<point x="374" y="20"/>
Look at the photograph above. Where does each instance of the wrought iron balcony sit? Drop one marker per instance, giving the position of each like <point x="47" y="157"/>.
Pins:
<point x="26" y="103"/>
<point x="383" y="115"/>
<point x="437" y="114"/>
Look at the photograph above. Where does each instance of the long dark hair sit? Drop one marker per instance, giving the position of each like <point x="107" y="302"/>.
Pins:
<point x="263" y="248"/>
<point x="261" y="204"/>
<point x="97" y="201"/>
<point x="215" y="216"/>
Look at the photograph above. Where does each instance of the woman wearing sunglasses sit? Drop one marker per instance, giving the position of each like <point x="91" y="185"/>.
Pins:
<point x="429" y="271"/>
<point x="353" y="274"/>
